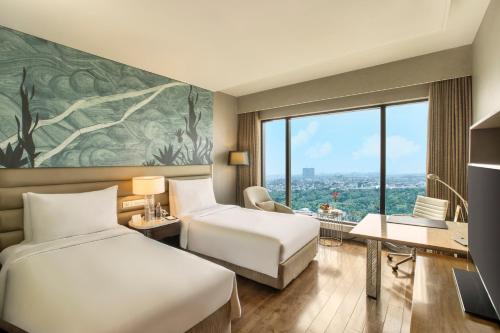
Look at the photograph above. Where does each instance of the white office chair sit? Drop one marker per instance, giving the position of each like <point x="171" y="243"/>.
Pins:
<point x="425" y="207"/>
<point x="257" y="197"/>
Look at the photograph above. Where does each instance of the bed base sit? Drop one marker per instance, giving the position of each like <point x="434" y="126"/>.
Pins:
<point x="287" y="271"/>
<point x="217" y="322"/>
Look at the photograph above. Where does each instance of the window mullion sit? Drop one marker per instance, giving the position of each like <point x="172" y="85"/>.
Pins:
<point x="382" y="158"/>
<point x="288" y="171"/>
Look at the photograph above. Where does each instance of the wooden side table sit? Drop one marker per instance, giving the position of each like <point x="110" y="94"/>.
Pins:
<point x="167" y="231"/>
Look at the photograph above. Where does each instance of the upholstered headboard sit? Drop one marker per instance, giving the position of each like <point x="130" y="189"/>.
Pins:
<point x="15" y="182"/>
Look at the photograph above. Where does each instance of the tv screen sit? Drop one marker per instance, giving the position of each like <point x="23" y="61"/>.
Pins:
<point x="484" y="227"/>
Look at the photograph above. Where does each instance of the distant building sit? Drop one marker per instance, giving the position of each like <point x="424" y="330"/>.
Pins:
<point x="308" y="173"/>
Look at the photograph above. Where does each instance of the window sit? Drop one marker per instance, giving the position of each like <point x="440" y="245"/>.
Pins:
<point x="406" y="155"/>
<point x="337" y="152"/>
<point x="341" y="153"/>
<point x="274" y="158"/>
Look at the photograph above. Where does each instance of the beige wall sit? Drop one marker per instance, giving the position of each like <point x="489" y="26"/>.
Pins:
<point x="225" y="127"/>
<point x="486" y="64"/>
<point x="420" y="70"/>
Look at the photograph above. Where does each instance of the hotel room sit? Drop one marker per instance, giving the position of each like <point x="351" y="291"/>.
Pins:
<point x="262" y="166"/>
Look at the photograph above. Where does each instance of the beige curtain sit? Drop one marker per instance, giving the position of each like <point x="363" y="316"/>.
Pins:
<point x="450" y="111"/>
<point x="248" y="140"/>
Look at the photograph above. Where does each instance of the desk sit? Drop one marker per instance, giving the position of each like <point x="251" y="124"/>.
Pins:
<point x="376" y="230"/>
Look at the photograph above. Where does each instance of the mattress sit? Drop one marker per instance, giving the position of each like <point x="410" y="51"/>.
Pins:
<point x="253" y="239"/>
<point x="116" y="280"/>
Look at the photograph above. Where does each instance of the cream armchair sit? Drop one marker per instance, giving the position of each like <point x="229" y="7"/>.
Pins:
<point x="257" y="197"/>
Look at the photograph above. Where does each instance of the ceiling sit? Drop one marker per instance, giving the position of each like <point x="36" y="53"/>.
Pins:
<point x="242" y="47"/>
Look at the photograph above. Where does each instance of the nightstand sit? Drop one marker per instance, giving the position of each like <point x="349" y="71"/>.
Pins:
<point x="167" y="232"/>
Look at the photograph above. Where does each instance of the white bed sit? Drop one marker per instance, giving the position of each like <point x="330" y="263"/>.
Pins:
<point x="112" y="280"/>
<point x="259" y="241"/>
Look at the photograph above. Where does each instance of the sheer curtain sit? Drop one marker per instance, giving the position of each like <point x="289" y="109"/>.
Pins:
<point x="248" y="140"/>
<point x="450" y="112"/>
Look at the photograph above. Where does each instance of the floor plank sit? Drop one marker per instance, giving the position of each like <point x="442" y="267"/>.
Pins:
<point x="329" y="296"/>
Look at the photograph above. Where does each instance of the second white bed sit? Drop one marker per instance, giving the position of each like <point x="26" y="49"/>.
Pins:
<point x="257" y="240"/>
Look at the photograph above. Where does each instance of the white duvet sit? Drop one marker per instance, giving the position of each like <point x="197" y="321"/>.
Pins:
<point x="110" y="281"/>
<point x="254" y="239"/>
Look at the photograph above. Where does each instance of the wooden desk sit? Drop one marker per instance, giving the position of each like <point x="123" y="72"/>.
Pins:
<point x="376" y="230"/>
<point x="435" y="304"/>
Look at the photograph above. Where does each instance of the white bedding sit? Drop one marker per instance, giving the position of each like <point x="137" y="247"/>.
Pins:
<point x="253" y="239"/>
<point x="110" y="281"/>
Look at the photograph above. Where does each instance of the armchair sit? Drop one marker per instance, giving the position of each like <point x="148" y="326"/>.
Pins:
<point x="257" y="197"/>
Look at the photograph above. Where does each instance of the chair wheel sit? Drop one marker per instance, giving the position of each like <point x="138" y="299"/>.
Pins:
<point x="394" y="268"/>
<point x="389" y="257"/>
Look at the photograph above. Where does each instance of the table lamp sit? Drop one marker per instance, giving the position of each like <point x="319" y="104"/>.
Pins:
<point x="148" y="186"/>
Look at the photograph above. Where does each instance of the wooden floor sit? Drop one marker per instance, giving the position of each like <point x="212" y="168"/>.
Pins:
<point x="329" y="296"/>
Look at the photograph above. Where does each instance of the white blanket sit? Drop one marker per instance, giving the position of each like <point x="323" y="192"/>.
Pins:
<point x="111" y="281"/>
<point x="253" y="239"/>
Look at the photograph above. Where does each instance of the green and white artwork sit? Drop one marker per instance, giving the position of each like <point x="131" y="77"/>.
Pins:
<point x="60" y="107"/>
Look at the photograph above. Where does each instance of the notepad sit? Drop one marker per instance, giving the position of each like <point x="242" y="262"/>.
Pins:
<point x="416" y="221"/>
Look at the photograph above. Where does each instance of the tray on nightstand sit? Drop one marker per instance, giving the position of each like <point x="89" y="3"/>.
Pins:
<point x="151" y="225"/>
<point x="158" y="230"/>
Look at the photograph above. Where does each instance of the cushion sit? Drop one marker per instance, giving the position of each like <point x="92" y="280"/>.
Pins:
<point x="55" y="216"/>
<point x="266" y="205"/>
<point x="186" y="196"/>
<point x="283" y="209"/>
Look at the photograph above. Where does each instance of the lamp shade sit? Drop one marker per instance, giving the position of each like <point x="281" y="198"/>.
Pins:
<point x="238" y="158"/>
<point x="148" y="185"/>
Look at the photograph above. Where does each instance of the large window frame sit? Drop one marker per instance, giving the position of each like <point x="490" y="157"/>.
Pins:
<point x="288" y="146"/>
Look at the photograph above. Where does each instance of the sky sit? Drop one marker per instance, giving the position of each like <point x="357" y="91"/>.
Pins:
<point x="349" y="142"/>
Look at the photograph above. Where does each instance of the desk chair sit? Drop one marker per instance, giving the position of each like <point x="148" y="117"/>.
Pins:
<point x="257" y="197"/>
<point x="425" y="207"/>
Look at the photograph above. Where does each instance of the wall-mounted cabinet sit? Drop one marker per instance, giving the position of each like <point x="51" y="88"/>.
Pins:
<point x="485" y="141"/>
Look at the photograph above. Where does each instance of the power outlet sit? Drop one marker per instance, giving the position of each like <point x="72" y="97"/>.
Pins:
<point x="133" y="203"/>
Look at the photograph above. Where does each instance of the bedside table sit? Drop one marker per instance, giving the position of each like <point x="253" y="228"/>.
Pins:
<point x="160" y="231"/>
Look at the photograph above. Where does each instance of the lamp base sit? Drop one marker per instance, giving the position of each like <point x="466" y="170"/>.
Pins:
<point x="149" y="208"/>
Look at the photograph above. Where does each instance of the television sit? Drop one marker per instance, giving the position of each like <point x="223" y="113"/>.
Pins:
<point x="480" y="291"/>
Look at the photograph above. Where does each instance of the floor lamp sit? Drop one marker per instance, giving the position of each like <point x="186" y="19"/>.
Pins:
<point x="436" y="178"/>
<point x="238" y="158"/>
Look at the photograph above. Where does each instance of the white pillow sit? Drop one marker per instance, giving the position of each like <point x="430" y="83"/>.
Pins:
<point x="187" y="196"/>
<point x="55" y="216"/>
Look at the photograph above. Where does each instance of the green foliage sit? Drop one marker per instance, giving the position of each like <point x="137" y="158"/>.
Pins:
<point x="12" y="158"/>
<point x="202" y="148"/>
<point x="355" y="202"/>
<point x="149" y="163"/>
<point x="167" y="156"/>
<point x="191" y="121"/>
<point x="179" y="133"/>
<point x="26" y="128"/>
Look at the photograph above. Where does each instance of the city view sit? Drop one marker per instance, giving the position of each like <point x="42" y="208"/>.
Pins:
<point x="359" y="194"/>
<point x="341" y="152"/>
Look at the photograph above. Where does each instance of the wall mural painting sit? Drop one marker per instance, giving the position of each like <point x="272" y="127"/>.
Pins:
<point x="60" y="107"/>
